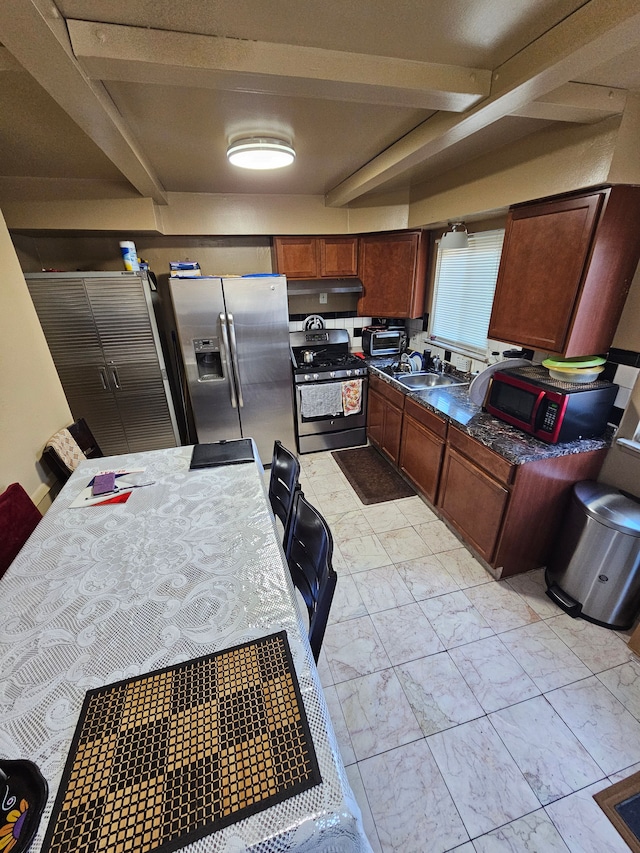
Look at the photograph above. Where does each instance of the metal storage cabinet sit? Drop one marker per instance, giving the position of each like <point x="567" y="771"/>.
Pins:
<point x="595" y="569"/>
<point x="103" y="338"/>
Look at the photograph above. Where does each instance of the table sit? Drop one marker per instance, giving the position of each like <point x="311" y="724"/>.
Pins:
<point x="186" y="567"/>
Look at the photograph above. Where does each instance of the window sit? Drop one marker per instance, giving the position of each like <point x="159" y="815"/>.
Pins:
<point x="465" y="282"/>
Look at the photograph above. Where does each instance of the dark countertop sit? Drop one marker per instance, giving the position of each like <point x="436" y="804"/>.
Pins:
<point x="454" y="405"/>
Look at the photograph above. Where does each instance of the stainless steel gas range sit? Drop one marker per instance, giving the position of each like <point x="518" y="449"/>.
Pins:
<point x="330" y="391"/>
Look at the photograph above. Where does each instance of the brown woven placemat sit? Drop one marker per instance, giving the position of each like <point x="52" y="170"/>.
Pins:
<point x="371" y="476"/>
<point x="165" y="758"/>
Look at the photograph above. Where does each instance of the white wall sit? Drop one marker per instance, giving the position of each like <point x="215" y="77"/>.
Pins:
<point x="32" y="403"/>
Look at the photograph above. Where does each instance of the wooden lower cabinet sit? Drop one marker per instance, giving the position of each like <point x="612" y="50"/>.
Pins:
<point x="384" y="417"/>
<point x="375" y="416"/>
<point x="422" y="448"/>
<point x="473" y="502"/>
<point x="510" y="514"/>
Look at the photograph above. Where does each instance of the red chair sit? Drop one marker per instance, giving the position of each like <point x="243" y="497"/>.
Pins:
<point x="19" y="517"/>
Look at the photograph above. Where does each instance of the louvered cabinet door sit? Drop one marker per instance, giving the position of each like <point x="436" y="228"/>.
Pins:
<point x="67" y="321"/>
<point x="69" y="327"/>
<point x="123" y="318"/>
<point x="105" y="349"/>
<point x="102" y="414"/>
<point x="141" y="398"/>
<point x="121" y="315"/>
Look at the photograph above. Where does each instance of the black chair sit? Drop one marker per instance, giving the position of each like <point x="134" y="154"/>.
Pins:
<point x="309" y="549"/>
<point x="285" y="470"/>
<point x="59" y="457"/>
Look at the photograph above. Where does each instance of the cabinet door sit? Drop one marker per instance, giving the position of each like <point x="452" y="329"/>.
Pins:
<point x="473" y="502"/>
<point x="67" y="321"/>
<point x="546" y="249"/>
<point x="338" y="257"/>
<point x="296" y="257"/>
<point x="392" y="432"/>
<point x="421" y="456"/>
<point x="392" y="270"/>
<point x="121" y="315"/>
<point x="141" y="398"/>
<point x="375" y="417"/>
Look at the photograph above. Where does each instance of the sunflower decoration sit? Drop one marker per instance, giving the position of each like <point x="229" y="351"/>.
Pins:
<point x="10" y="831"/>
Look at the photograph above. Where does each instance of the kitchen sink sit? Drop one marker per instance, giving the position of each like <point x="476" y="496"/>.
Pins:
<point x="416" y="381"/>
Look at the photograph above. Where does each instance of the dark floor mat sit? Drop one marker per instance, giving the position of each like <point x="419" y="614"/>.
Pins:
<point x="372" y="478"/>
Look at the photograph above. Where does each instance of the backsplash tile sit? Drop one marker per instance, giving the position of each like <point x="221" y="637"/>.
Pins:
<point x="336" y="320"/>
<point x="624" y="356"/>
<point x="626" y="375"/>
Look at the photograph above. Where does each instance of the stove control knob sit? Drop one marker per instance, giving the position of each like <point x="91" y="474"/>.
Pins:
<point x="315" y="375"/>
<point x="332" y="374"/>
<point x="349" y="372"/>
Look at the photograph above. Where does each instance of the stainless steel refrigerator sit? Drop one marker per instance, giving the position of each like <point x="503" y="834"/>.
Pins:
<point x="233" y="335"/>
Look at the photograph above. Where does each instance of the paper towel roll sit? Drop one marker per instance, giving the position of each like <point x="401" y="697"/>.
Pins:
<point x="129" y="255"/>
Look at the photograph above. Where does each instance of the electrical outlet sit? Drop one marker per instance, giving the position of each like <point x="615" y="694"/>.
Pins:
<point x="323" y="299"/>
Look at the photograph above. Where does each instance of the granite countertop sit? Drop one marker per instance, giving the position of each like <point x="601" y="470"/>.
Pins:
<point x="453" y="403"/>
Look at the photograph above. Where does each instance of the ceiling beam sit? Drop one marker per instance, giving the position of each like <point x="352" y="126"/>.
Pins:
<point x="8" y="62"/>
<point x="134" y="54"/>
<point x="582" y="103"/>
<point x="35" y="33"/>
<point x="597" y="32"/>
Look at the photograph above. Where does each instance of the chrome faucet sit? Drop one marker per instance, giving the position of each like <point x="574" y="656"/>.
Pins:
<point x="438" y="364"/>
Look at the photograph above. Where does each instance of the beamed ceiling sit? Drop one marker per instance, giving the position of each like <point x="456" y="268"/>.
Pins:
<point x="132" y="98"/>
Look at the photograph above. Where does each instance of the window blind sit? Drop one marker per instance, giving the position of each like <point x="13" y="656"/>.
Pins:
<point x="465" y="282"/>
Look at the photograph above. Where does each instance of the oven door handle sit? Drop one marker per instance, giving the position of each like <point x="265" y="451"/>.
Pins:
<point x="227" y="357"/>
<point x="234" y="356"/>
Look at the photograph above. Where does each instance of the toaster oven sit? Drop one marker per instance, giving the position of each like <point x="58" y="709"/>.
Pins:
<point x="383" y="341"/>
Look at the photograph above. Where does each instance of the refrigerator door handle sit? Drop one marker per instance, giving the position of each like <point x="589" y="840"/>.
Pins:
<point x="234" y="355"/>
<point x="227" y="356"/>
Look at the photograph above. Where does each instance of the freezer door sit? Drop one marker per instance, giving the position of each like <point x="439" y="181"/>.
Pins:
<point x="198" y="306"/>
<point x="258" y="320"/>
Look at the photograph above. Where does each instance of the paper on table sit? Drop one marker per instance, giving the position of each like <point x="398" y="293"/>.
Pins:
<point x="119" y="496"/>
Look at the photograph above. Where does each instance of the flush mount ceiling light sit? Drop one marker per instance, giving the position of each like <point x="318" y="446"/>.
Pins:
<point x="261" y="152"/>
<point x="456" y="238"/>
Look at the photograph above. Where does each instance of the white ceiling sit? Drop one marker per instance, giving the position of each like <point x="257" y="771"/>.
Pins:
<point x="140" y="97"/>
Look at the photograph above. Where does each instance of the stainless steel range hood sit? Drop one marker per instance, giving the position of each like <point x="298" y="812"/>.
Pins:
<point x="324" y="285"/>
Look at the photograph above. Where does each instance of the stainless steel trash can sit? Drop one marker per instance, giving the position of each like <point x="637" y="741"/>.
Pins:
<point x="595" y="568"/>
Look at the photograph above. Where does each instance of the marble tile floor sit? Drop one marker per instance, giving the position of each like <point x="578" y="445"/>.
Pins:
<point x="472" y="714"/>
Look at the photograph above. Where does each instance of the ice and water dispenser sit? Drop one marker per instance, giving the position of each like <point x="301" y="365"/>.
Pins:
<point x="208" y="359"/>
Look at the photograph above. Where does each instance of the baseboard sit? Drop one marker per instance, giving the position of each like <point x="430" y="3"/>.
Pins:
<point x="43" y="496"/>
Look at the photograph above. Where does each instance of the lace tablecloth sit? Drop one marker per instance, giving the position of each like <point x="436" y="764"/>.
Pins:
<point x="188" y="566"/>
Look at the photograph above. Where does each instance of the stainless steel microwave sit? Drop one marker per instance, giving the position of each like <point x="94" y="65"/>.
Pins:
<point x="548" y="409"/>
<point x="376" y="341"/>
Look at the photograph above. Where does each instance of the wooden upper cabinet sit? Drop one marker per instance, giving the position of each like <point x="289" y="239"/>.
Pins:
<point x="316" y="257"/>
<point x="338" y="257"/>
<point x="565" y="271"/>
<point x="296" y="257"/>
<point x="392" y="269"/>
